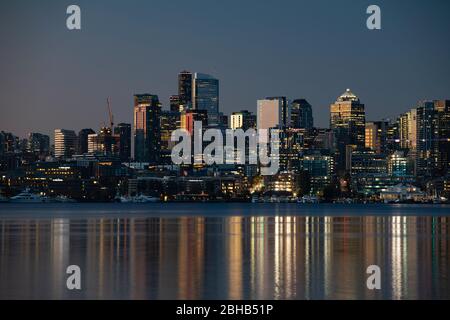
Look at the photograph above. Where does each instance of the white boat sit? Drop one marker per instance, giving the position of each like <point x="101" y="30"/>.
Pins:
<point x="28" y="197"/>
<point x="124" y="199"/>
<point x="145" y="199"/>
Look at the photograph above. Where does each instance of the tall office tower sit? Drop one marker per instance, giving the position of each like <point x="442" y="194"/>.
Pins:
<point x="408" y="130"/>
<point x="122" y="133"/>
<point x="242" y="120"/>
<point x="175" y="103"/>
<point x="185" y="80"/>
<point x="393" y="137"/>
<point x="65" y="143"/>
<point x="272" y="112"/>
<point x="427" y="139"/>
<point x="205" y="96"/>
<point x="301" y="115"/>
<point x="39" y="143"/>
<point x="83" y="140"/>
<point x="189" y="117"/>
<point x="442" y="108"/>
<point x="348" y="121"/>
<point x="147" y="131"/>
<point x="376" y="136"/>
<point x="169" y="122"/>
<point x="104" y="143"/>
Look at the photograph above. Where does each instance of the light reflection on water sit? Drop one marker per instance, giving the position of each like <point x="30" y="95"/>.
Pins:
<point x="138" y="256"/>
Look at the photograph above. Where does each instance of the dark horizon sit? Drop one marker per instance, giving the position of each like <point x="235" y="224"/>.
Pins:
<point x="299" y="49"/>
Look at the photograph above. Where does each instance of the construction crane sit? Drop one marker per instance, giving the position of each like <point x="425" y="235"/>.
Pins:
<point x="111" y="116"/>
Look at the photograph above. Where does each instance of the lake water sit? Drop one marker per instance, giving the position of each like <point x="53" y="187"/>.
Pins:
<point x="224" y="251"/>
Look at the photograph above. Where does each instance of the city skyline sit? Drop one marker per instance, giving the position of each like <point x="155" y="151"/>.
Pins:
<point x="48" y="71"/>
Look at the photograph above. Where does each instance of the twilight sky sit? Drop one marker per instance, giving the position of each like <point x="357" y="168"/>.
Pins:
<point x="51" y="77"/>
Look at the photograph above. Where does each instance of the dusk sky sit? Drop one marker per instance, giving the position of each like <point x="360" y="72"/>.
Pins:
<point x="51" y="77"/>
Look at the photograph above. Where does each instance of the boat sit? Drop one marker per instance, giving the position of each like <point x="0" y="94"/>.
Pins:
<point x="27" y="196"/>
<point x="145" y="199"/>
<point x="123" y="199"/>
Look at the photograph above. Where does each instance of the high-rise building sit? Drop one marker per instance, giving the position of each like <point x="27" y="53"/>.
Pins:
<point x="170" y="121"/>
<point x="348" y="121"/>
<point x="273" y="112"/>
<point x="65" y="143"/>
<point x="408" y="130"/>
<point x="185" y="79"/>
<point x="39" y="143"/>
<point x="147" y="131"/>
<point x="205" y="96"/>
<point x="427" y="139"/>
<point x="175" y="103"/>
<point x="83" y="140"/>
<point x="376" y="136"/>
<point x="442" y="108"/>
<point x="122" y="132"/>
<point x="189" y="117"/>
<point x="242" y="120"/>
<point x="301" y="115"/>
<point x="104" y="143"/>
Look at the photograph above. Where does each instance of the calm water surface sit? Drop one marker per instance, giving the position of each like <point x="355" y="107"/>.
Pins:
<point x="224" y="251"/>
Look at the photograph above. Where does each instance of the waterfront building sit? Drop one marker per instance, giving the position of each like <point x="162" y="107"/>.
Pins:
<point x="321" y="170"/>
<point x="400" y="165"/>
<point x="147" y="130"/>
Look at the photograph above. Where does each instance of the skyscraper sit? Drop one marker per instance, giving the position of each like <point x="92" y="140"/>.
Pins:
<point x="427" y="139"/>
<point x="205" y="96"/>
<point x="348" y="121"/>
<point x="376" y="136"/>
<point x="123" y="134"/>
<point x="301" y="115"/>
<point x="175" y="103"/>
<point x="65" y="143"/>
<point x="242" y="120"/>
<point x="169" y="122"/>
<point x="185" y="80"/>
<point x="147" y="131"/>
<point x="83" y="140"/>
<point x="38" y="143"/>
<point x="272" y="112"/>
<point x="442" y="108"/>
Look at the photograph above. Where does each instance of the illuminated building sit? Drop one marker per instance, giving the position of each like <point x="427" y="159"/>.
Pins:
<point x="65" y="143"/>
<point x="376" y="136"/>
<point x="170" y="121"/>
<point x="348" y="121"/>
<point x="400" y="165"/>
<point x="367" y="162"/>
<point x="273" y="112"/>
<point x="442" y="108"/>
<point x="185" y="80"/>
<point x="205" y="96"/>
<point x="147" y="130"/>
<point x="242" y="120"/>
<point x="321" y="170"/>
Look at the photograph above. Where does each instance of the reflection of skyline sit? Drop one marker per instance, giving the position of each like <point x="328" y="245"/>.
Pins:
<point x="281" y="257"/>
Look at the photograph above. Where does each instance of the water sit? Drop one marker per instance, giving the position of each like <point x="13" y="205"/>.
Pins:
<point x="224" y="251"/>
